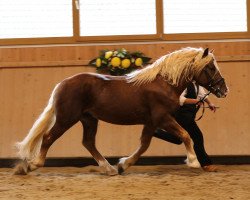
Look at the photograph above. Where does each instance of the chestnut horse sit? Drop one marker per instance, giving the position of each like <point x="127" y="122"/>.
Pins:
<point x="149" y="96"/>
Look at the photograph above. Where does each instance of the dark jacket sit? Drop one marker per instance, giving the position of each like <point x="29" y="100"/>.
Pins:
<point x="188" y="111"/>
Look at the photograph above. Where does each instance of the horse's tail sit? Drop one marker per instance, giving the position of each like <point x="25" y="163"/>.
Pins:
<point x="30" y="146"/>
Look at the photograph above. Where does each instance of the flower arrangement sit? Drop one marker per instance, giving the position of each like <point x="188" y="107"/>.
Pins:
<point x="119" y="62"/>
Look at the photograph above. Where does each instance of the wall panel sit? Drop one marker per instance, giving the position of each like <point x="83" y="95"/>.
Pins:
<point x="28" y="75"/>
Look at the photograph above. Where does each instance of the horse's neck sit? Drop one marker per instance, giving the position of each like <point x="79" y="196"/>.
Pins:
<point x="182" y="86"/>
<point x="179" y="89"/>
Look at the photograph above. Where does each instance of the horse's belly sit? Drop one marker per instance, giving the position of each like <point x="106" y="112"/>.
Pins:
<point x="120" y="116"/>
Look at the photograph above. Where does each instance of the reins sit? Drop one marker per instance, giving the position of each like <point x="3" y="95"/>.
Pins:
<point x="203" y="106"/>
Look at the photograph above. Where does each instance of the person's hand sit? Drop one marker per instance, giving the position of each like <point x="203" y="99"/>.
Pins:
<point x="198" y="103"/>
<point x="212" y="107"/>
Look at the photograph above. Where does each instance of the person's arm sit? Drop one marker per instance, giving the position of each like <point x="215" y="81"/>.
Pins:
<point x="210" y="105"/>
<point x="184" y="100"/>
<point x="191" y="101"/>
<point x="201" y="94"/>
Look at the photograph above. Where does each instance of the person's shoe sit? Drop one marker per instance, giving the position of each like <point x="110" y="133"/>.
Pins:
<point x="210" y="168"/>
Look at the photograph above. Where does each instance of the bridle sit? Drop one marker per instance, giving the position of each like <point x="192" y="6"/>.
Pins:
<point x="211" y="87"/>
<point x="212" y="83"/>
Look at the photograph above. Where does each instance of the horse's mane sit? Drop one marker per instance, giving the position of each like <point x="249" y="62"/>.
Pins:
<point x="184" y="63"/>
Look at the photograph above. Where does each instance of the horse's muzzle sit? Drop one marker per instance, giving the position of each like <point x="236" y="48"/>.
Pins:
<point x="221" y="94"/>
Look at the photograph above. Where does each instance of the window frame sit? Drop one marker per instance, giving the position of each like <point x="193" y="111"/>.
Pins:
<point x="212" y="35"/>
<point x="156" y="36"/>
<point x="159" y="36"/>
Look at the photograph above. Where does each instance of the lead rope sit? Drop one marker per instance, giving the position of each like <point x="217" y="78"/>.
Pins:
<point x="203" y="106"/>
<point x="203" y="111"/>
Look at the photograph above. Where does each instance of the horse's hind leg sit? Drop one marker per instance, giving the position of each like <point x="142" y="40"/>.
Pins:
<point x="90" y="128"/>
<point x="48" y="139"/>
<point x="146" y="137"/>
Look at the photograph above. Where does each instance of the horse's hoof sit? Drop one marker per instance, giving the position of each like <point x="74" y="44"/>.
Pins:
<point x="210" y="168"/>
<point x="21" y="168"/>
<point x="120" y="170"/>
<point x="193" y="164"/>
<point x="122" y="165"/>
<point x="33" y="167"/>
<point x="112" y="172"/>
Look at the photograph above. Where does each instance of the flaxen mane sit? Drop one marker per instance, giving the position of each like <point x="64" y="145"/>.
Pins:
<point x="183" y="63"/>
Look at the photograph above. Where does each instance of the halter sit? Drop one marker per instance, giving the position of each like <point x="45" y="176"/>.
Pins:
<point x="211" y="87"/>
<point x="212" y="83"/>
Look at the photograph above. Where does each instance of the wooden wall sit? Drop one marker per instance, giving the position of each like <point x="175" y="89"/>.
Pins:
<point x="29" y="73"/>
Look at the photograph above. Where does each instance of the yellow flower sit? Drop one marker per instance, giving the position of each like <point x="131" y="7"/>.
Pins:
<point x="125" y="63"/>
<point x="108" y="54"/>
<point x="138" y="62"/>
<point x="98" y="62"/>
<point x="115" y="62"/>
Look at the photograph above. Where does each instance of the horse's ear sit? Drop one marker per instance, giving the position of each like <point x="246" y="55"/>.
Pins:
<point x="205" y="54"/>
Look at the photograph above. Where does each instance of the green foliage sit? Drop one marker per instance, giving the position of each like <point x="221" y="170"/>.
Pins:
<point x="119" y="62"/>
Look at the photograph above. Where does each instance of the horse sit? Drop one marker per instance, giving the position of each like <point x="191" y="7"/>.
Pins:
<point x="147" y="96"/>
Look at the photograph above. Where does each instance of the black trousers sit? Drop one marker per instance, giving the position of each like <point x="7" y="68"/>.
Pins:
<point x="188" y="123"/>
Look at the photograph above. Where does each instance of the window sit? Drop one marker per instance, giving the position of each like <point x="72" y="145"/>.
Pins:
<point x="109" y="17"/>
<point x="72" y="21"/>
<point x="35" y="18"/>
<point x="203" y="16"/>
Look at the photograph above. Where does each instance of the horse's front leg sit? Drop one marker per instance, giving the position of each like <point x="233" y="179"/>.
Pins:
<point x="146" y="137"/>
<point x="171" y="126"/>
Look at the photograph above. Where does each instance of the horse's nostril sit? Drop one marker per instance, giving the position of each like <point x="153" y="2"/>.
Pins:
<point x="225" y="94"/>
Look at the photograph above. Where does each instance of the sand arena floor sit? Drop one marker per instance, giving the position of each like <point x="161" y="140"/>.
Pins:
<point x="173" y="182"/>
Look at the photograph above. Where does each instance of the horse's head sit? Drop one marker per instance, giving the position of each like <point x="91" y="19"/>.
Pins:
<point x="211" y="78"/>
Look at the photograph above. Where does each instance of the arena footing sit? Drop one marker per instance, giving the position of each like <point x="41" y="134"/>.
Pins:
<point x="146" y="160"/>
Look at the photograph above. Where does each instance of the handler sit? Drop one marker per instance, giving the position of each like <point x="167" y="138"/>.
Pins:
<point x="185" y="116"/>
